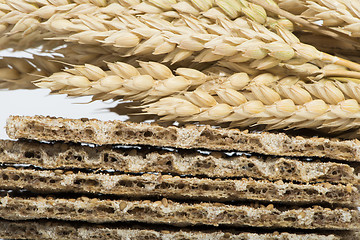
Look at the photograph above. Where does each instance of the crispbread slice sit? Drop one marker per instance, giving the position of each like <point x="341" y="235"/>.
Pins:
<point x="136" y="160"/>
<point x="118" y="132"/>
<point x="75" y="231"/>
<point x="177" y="213"/>
<point x="157" y="185"/>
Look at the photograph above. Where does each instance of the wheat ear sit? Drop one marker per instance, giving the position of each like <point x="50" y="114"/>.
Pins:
<point x="160" y="80"/>
<point x="151" y="81"/>
<point x="21" y="21"/>
<point x="18" y="73"/>
<point x="334" y="33"/>
<point x="320" y="105"/>
<point x="236" y="41"/>
<point x="147" y="34"/>
<point x="190" y="95"/>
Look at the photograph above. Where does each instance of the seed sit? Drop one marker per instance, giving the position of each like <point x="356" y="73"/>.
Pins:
<point x="279" y="50"/>
<point x="265" y="94"/>
<point x="185" y="7"/>
<point x="165" y="202"/>
<point x="232" y="8"/>
<point x="84" y="199"/>
<point x="165" y="47"/>
<point x="302" y="214"/>
<point x="123" y="70"/>
<point x="239" y="80"/>
<point x="110" y="83"/>
<point x="270" y="207"/>
<point x="201" y="98"/>
<point x="58" y="171"/>
<point x="196" y="77"/>
<point x="139" y="83"/>
<point x="156" y="70"/>
<point x="79" y="81"/>
<point x="122" y="39"/>
<point x="231" y="96"/>
<point x="349" y="188"/>
<point x="123" y="205"/>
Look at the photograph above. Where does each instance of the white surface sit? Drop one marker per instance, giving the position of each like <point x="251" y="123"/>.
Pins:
<point x="39" y="102"/>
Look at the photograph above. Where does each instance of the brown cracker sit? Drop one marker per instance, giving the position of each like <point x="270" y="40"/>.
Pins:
<point x="117" y="132"/>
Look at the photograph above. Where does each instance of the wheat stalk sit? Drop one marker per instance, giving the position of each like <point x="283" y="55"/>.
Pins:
<point x="329" y="45"/>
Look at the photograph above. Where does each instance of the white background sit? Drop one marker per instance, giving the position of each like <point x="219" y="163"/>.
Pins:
<point x="39" y="102"/>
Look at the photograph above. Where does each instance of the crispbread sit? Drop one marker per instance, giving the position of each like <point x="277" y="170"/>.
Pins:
<point x="136" y="160"/>
<point x="177" y="213"/>
<point x="63" y="230"/>
<point x="157" y="185"/>
<point x="118" y="132"/>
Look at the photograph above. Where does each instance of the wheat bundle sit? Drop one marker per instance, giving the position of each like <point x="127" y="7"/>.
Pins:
<point x="181" y="39"/>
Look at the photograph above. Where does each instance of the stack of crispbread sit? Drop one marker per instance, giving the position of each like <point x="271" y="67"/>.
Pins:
<point x="87" y="179"/>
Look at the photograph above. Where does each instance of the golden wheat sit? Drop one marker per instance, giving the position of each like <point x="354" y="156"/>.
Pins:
<point x="150" y="80"/>
<point x="18" y="73"/>
<point x="342" y="15"/>
<point x="240" y="40"/>
<point x="292" y="107"/>
<point x="190" y="95"/>
<point x="23" y="20"/>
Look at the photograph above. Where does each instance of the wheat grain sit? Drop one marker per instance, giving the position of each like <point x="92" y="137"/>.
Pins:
<point x="166" y="83"/>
